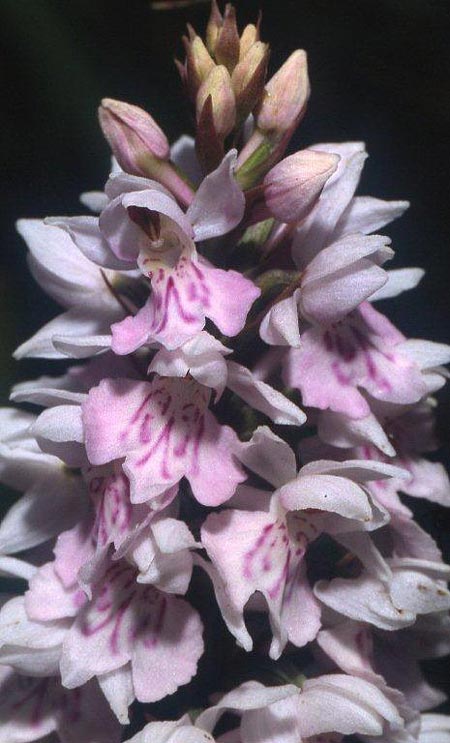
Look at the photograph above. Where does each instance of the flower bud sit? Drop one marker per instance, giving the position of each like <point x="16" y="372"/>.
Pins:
<point x="217" y="86"/>
<point x="132" y="134"/>
<point x="293" y="186"/>
<point x="214" y="25"/>
<point x="226" y="48"/>
<point x="198" y="64"/>
<point x="248" y="78"/>
<point x="285" y="96"/>
<point x="249" y="36"/>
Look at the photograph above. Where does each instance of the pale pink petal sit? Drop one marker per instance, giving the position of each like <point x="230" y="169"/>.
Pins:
<point x="219" y="203"/>
<point x="50" y="506"/>
<point x="47" y="599"/>
<point x="326" y="493"/>
<point x="367" y="214"/>
<point x="182" y="297"/>
<point x="362" y="351"/>
<point x="166" y="657"/>
<point x="13" y="567"/>
<point x="359" y="470"/>
<point x="338" y="430"/>
<point x="230" y="297"/>
<point x="61" y="268"/>
<point x="350" y="646"/>
<point x="129" y="623"/>
<point x="123" y="236"/>
<point x="399" y="280"/>
<point x="232" y="616"/>
<point x="251" y="553"/>
<point x="342" y="253"/>
<point x="364" y="599"/>
<point x="183" y="154"/>
<point x="133" y="331"/>
<point x="214" y="472"/>
<point x="435" y="728"/>
<point x="420" y="591"/>
<point x="117" y="687"/>
<point x="59" y="431"/>
<point x="344" y="704"/>
<point x="342" y="276"/>
<point x="120" y="183"/>
<point x="426" y="354"/>
<point x="427" y="480"/>
<point x="76" y="327"/>
<point x="45" y="396"/>
<point x="300" y="614"/>
<point x="318" y="228"/>
<point x="274" y="723"/>
<point x="82" y="347"/>
<point x="280" y="326"/>
<point x="202" y="357"/>
<point x="94" y="200"/>
<point x="263" y="397"/>
<point x="18" y="630"/>
<point x="166" y="432"/>
<point x="269" y="456"/>
<point x="250" y="695"/>
<point x="86" y="235"/>
<point x="171" y="732"/>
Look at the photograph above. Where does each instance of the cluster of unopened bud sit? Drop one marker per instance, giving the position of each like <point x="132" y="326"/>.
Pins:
<point x="224" y="77"/>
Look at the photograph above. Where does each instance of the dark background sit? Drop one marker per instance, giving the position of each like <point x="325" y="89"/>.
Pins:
<point x="379" y="71"/>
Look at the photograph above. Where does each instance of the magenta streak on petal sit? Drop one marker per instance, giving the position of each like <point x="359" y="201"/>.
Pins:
<point x="345" y="348"/>
<point x="248" y="557"/>
<point x="171" y="292"/>
<point x="342" y="378"/>
<point x="205" y="294"/>
<point x="291" y="578"/>
<point x="264" y="549"/>
<point x="151" y="641"/>
<point x="198" y="436"/>
<point x="181" y="448"/>
<point x="368" y="347"/>
<point x="141" y="407"/>
<point x="120" y="613"/>
<point x="281" y="580"/>
<point x="163" y="438"/>
<point x="104" y="602"/>
<point x="113" y="509"/>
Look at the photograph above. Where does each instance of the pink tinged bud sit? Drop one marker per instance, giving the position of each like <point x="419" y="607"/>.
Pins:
<point x="141" y="147"/>
<point x="293" y="186"/>
<point x="133" y="135"/>
<point x="198" y="64"/>
<point x="285" y="96"/>
<point x="248" y="79"/>
<point x="214" y="25"/>
<point x="227" y="44"/>
<point x="217" y="87"/>
<point x="249" y="36"/>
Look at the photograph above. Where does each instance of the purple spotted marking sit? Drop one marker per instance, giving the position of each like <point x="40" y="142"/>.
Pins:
<point x="170" y="423"/>
<point x="130" y="610"/>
